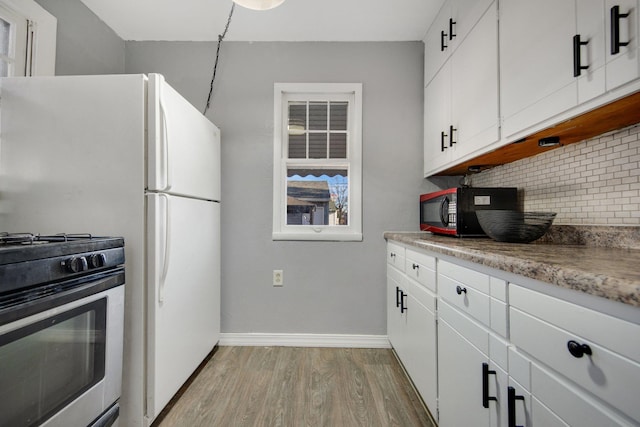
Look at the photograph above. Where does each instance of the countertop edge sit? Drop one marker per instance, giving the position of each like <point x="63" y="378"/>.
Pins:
<point x="609" y="287"/>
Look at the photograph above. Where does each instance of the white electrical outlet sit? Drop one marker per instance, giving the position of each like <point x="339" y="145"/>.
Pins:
<point x="278" y="278"/>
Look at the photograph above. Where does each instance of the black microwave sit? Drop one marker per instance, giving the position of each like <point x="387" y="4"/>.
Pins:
<point x="453" y="211"/>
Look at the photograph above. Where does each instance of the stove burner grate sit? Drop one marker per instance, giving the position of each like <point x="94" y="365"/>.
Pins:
<point x="30" y="238"/>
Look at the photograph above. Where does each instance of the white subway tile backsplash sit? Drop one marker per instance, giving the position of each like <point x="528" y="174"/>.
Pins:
<point x="596" y="181"/>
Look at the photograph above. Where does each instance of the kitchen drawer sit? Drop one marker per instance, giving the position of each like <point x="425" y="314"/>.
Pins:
<point x="498" y="289"/>
<point x="519" y="368"/>
<point x="421" y="294"/>
<point x="592" y="325"/>
<point x="465" y="298"/>
<point x="395" y="276"/>
<point x="556" y="399"/>
<point x="395" y="255"/>
<point x="470" y="330"/>
<point x="421" y="268"/>
<point x="498" y="351"/>
<point x="466" y="276"/>
<point x="608" y="375"/>
<point x="499" y="316"/>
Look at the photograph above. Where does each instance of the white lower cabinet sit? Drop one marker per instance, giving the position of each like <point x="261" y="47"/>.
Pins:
<point x="556" y="398"/>
<point x="472" y="388"/>
<point x="596" y="357"/>
<point x="411" y="322"/>
<point x="502" y="354"/>
<point x="420" y="352"/>
<point x="542" y="397"/>
<point x="394" y="315"/>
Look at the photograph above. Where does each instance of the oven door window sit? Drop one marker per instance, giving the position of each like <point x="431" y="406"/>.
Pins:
<point x="49" y="363"/>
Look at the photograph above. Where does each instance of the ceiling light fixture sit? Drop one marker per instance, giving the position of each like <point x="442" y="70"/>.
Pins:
<point x="259" y="4"/>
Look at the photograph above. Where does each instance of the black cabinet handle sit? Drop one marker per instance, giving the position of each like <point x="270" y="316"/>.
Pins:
<point x="451" y="24"/>
<point x="443" y="44"/>
<point x="443" y="136"/>
<point x="511" y="406"/>
<point x="451" y="130"/>
<point x="577" y="66"/>
<point x="578" y="350"/>
<point x="392" y="255"/>
<point x="415" y="266"/>
<point x="397" y="297"/>
<point x="460" y="290"/>
<point x="403" y="307"/>
<point x="485" y="385"/>
<point x="615" y="29"/>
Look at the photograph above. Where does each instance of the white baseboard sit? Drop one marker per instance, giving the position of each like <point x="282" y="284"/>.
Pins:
<point x="304" y="340"/>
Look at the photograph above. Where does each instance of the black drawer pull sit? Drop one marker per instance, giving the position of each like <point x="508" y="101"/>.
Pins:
<point x="392" y="255"/>
<point x="451" y="24"/>
<point x="578" y="350"/>
<point x="443" y="37"/>
<point x="485" y="385"/>
<point x="415" y="266"/>
<point x="443" y="136"/>
<point x="398" y="292"/>
<point x="511" y="406"/>
<point x="577" y="65"/>
<point x="451" y="130"/>
<point x="460" y="290"/>
<point x="615" y="29"/>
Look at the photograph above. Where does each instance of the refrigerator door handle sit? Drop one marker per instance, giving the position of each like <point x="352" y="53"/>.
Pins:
<point x="167" y="245"/>
<point x="165" y="146"/>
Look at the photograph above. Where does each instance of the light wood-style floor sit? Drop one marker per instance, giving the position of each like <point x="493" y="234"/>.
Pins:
<point x="290" y="386"/>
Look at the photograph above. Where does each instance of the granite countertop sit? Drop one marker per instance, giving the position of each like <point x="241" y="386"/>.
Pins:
<point x="612" y="273"/>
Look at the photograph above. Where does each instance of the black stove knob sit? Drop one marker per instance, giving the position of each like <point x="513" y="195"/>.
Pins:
<point x="77" y="264"/>
<point x="97" y="260"/>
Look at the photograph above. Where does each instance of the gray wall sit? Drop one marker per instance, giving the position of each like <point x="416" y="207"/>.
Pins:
<point x="329" y="287"/>
<point x="85" y="44"/>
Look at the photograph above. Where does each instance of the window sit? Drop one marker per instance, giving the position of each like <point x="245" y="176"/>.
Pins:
<point x="27" y="39"/>
<point x="13" y="43"/>
<point x="317" y="170"/>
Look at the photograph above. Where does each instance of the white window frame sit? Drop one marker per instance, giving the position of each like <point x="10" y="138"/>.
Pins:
<point x="40" y="49"/>
<point x="353" y="162"/>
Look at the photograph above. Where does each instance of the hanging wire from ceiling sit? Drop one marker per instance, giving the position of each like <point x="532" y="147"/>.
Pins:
<point x="215" y="65"/>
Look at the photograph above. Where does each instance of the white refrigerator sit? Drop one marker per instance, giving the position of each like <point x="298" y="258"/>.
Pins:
<point x="125" y="155"/>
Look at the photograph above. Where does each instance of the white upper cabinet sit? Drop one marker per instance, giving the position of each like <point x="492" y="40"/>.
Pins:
<point x="605" y="46"/>
<point x="437" y="46"/>
<point x="437" y="119"/>
<point x="451" y="26"/>
<point x="572" y="52"/>
<point x="589" y="55"/>
<point x="621" y="45"/>
<point x="461" y="99"/>
<point x="474" y="91"/>
<point x="496" y="71"/>
<point x="536" y="61"/>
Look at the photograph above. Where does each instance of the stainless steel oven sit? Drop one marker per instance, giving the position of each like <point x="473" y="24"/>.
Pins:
<point x="61" y="330"/>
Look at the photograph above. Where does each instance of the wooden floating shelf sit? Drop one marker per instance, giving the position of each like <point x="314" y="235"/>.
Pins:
<point x="618" y="114"/>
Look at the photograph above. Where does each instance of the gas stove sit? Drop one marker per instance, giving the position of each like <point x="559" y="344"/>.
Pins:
<point x="28" y="259"/>
<point x="61" y="328"/>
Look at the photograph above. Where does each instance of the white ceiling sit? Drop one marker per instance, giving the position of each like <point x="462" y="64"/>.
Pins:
<point x="294" y="20"/>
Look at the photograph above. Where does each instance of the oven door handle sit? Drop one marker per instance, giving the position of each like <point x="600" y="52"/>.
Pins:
<point x="65" y="293"/>
<point x="166" y="238"/>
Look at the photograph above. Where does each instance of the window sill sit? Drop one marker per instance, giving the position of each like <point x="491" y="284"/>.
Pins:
<point x="318" y="236"/>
